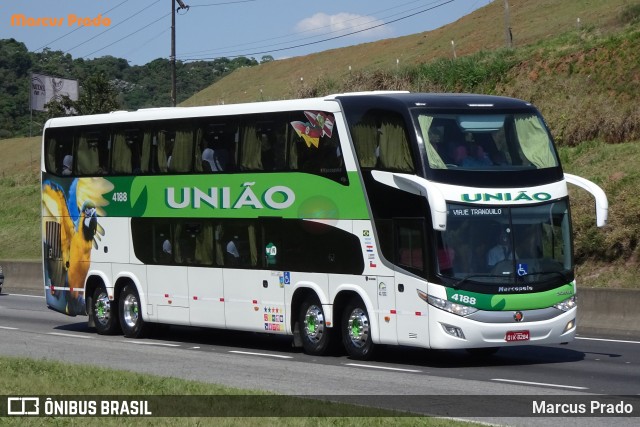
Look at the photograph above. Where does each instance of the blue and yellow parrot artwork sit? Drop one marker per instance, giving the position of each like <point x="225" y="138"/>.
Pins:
<point x="70" y="231"/>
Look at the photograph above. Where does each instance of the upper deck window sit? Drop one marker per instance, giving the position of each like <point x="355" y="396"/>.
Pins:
<point x="381" y="141"/>
<point x="487" y="141"/>
<point x="288" y="141"/>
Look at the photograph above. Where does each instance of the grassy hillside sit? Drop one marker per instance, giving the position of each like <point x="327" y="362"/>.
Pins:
<point x="531" y="22"/>
<point x="20" y="198"/>
<point x="584" y="80"/>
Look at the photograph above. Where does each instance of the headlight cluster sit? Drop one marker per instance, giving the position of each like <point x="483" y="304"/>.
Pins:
<point x="567" y="304"/>
<point x="442" y="304"/>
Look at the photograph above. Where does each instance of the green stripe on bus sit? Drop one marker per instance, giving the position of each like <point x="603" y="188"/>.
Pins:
<point x="506" y="302"/>
<point x="286" y="195"/>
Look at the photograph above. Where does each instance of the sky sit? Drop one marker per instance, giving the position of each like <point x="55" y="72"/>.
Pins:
<point x="140" y="30"/>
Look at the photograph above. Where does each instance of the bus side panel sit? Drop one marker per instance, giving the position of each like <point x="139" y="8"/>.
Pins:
<point x="112" y="240"/>
<point x="413" y="320"/>
<point x="206" y="289"/>
<point x="168" y="294"/>
<point x="251" y="295"/>
<point x="387" y="312"/>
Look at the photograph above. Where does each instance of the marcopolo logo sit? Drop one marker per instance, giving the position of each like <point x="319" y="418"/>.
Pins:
<point x="72" y="20"/>
<point x="277" y="197"/>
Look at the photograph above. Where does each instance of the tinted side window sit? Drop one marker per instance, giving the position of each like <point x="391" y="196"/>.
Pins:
<point x="291" y="245"/>
<point x="381" y="141"/>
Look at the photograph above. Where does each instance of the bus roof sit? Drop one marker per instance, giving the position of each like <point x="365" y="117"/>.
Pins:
<point x="163" y="113"/>
<point x="437" y="100"/>
<point x="328" y="103"/>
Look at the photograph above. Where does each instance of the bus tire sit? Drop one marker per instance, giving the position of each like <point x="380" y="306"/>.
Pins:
<point x="356" y="330"/>
<point x="133" y="326"/>
<point x="316" y="337"/>
<point x="104" y="312"/>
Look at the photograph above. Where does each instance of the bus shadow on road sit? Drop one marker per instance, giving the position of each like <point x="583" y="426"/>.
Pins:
<point x="404" y="356"/>
<point x="506" y="356"/>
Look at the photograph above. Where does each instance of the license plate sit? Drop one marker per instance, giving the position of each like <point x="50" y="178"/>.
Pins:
<point x="517" y="336"/>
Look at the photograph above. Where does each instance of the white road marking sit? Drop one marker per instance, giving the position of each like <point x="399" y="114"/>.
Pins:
<point x="28" y="296"/>
<point x="358" y="365"/>
<point x="60" y="334"/>
<point x="260" y="354"/>
<point x="607" y="340"/>
<point x="543" y="384"/>
<point x="8" y="328"/>
<point x="161" y="344"/>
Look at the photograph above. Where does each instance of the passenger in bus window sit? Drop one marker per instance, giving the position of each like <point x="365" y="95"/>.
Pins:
<point x="210" y="162"/>
<point x="67" y="165"/>
<point x="232" y="252"/>
<point x="501" y="251"/>
<point x="435" y="138"/>
<point x="166" y="247"/>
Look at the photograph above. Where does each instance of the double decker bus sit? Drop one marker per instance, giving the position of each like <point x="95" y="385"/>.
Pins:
<point x="383" y="218"/>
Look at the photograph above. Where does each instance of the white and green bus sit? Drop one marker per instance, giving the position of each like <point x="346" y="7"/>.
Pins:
<point x="429" y="220"/>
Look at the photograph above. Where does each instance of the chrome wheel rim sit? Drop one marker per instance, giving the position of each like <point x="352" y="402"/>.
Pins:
<point x="102" y="308"/>
<point x="131" y="312"/>
<point x="314" y="324"/>
<point x="358" y="328"/>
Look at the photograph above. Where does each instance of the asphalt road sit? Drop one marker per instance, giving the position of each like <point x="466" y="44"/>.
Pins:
<point x="587" y="366"/>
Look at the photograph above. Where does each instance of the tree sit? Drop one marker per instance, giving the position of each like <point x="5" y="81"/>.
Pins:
<point x="97" y="95"/>
<point x="266" y="58"/>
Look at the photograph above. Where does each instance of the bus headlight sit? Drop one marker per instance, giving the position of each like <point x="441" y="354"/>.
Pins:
<point x="442" y="304"/>
<point x="567" y="304"/>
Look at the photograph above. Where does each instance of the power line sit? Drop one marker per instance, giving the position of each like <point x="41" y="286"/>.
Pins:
<point x="326" y="39"/>
<point x="135" y="32"/>
<point x="113" y="26"/>
<point x="224" y="3"/>
<point x="151" y="39"/>
<point x="128" y="35"/>
<point x="77" y="28"/>
<point x="220" y="51"/>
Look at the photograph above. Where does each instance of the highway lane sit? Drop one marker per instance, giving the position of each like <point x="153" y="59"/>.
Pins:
<point x="588" y="365"/>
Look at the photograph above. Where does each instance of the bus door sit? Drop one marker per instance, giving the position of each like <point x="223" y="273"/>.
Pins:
<point x="412" y="312"/>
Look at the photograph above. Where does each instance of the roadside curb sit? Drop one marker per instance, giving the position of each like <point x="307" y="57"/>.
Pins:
<point x="604" y="312"/>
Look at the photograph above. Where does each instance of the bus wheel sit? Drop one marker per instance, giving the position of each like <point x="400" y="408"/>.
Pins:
<point x="131" y="313"/>
<point x="104" y="312"/>
<point x="315" y="335"/>
<point x="356" y="331"/>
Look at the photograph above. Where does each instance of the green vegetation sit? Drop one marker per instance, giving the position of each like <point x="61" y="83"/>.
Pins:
<point x="138" y="86"/>
<point x="22" y="377"/>
<point x="583" y="78"/>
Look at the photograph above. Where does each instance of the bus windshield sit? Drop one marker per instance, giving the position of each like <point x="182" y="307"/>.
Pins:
<point x="498" y="245"/>
<point x="463" y="140"/>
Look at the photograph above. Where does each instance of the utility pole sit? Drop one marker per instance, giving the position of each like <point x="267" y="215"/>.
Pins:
<point x="507" y="27"/>
<point x="173" y="47"/>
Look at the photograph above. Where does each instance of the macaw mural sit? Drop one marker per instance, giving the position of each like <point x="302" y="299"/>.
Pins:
<point x="70" y="231"/>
